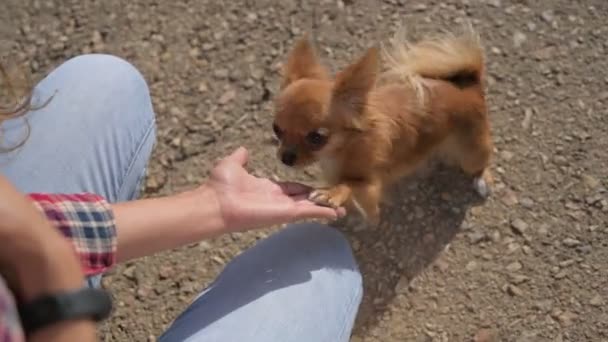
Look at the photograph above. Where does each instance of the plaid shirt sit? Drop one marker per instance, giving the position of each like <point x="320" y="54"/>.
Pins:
<point x="88" y="222"/>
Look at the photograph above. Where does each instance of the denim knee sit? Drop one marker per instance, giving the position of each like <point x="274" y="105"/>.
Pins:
<point x="330" y="245"/>
<point x="108" y="66"/>
<point x="104" y="103"/>
<point x="112" y="76"/>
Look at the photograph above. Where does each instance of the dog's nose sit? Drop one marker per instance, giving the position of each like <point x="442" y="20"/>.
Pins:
<point x="288" y="158"/>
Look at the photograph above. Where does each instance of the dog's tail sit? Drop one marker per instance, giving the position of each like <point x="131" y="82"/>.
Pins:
<point x="456" y="58"/>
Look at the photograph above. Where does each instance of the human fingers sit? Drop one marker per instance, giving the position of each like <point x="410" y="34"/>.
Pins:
<point x="240" y="156"/>
<point x="309" y="210"/>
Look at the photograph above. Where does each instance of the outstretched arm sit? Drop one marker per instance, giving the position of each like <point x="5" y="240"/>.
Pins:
<point x="231" y="200"/>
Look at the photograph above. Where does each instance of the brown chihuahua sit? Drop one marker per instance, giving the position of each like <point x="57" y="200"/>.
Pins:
<point x="369" y="128"/>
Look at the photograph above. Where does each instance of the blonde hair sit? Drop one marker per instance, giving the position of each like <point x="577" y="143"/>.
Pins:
<point x="16" y="99"/>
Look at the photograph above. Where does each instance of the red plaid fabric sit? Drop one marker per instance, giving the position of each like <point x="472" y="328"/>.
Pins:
<point x="88" y="222"/>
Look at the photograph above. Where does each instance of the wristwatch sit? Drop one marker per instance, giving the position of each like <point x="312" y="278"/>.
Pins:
<point x="49" y="309"/>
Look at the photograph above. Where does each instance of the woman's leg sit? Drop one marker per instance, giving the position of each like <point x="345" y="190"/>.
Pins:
<point x="95" y="135"/>
<point x="299" y="285"/>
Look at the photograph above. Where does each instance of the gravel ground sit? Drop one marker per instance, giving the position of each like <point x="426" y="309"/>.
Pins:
<point x="530" y="264"/>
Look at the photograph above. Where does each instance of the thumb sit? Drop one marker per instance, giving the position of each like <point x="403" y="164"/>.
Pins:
<point x="240" y="156"/>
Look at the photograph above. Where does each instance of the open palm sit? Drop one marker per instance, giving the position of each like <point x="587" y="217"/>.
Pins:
<point x="249" y="202"/>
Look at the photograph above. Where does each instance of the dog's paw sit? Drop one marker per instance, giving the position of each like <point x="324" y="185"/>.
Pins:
<point x="327" y="197"/>
<point x="482" y="187"/>
<point x="483" y="184"/>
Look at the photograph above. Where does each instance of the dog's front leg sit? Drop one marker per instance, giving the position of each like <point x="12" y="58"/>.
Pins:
<point x="366" y="198"/>
<point x="363" y="195"/>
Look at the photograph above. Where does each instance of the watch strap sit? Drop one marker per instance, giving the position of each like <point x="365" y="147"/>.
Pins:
<point x="85" y="303"/>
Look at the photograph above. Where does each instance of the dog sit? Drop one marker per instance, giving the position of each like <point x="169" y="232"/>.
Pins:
<point x="369" y="128"/>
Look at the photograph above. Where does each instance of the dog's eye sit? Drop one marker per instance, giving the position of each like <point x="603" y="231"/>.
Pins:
<point x="316" y="139"/>
<point x="277" y="131"/>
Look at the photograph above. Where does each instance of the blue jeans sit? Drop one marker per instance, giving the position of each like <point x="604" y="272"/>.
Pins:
<point x="96" y="135"/>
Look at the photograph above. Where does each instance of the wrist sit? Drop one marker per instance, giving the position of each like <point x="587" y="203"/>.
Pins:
<point x="206" y="212"/>
<point x="85" y="330"/>
<point x="71" y="310"/>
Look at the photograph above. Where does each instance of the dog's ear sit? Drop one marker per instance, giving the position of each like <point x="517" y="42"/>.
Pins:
<point x="302" y="62"/>
<point x="354" y="83"/>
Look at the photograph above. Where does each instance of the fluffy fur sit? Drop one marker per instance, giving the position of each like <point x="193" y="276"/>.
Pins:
<point x="368" y="129"/>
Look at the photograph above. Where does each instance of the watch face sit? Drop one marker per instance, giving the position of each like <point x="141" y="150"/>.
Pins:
<point x="86" y="303"/>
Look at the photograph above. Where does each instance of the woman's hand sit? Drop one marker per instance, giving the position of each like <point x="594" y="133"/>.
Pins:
<point x="248" y="202"/>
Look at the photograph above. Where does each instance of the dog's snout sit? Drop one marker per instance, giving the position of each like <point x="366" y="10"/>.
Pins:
<point x="289" y="158"/>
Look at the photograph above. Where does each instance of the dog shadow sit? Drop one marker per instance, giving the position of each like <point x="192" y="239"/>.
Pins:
<point x="424" y="213"/>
